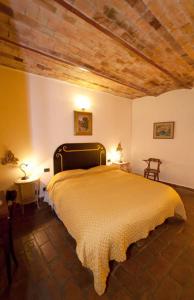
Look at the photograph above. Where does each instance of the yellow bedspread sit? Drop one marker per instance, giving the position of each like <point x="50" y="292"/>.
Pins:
<point x="106" y="209"/>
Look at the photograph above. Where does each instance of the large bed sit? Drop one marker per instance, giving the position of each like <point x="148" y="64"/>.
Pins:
<point x="104" y="208"/>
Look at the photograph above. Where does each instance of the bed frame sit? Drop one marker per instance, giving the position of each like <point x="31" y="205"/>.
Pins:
<point x="78" y="156"/>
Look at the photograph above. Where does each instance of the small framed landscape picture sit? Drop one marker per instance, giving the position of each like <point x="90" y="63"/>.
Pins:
<point x="163" y="130"/>
<point x="82" y="123"/>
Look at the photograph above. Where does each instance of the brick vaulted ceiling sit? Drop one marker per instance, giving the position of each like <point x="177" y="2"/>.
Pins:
<point x="131" y="48"/>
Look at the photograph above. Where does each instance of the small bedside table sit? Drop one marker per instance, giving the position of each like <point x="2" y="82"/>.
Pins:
<point x="28" y="191"/>
<point x="124" y="166"/>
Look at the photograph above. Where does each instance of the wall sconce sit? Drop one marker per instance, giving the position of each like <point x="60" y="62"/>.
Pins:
<point x="82" y="102"/>
<point x="27" y="168"/>
<point x="9" y="158"/>
<point x="84" y="69"/>
<point x="120" y="151"/>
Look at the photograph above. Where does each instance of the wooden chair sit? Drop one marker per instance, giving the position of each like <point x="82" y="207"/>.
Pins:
<point x="150" y="171"/>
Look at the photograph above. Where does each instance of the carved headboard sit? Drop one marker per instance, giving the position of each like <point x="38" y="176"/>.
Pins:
<point x="79" y="156"/>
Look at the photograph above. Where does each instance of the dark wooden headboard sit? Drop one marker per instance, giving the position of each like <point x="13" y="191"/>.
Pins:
<point x="79" y="156"/>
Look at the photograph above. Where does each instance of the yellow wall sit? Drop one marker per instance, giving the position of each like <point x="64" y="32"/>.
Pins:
<point x="14" y="122"/>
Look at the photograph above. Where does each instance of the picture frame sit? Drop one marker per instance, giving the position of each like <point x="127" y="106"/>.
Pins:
<point x="82" y="123"/>
<point x="163" y="130"/>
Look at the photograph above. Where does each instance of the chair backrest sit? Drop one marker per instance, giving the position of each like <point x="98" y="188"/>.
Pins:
<point x="153" y="160"/>
<point x="10" y="198"/>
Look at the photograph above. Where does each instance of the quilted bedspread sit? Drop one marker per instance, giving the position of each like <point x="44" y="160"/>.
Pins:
<point x="106" y="209"/>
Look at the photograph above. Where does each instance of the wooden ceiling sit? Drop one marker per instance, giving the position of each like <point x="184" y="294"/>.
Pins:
<point x="129" y="48"/>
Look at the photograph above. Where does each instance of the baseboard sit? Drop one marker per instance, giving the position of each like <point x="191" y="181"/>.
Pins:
<point x="178" y="186"/>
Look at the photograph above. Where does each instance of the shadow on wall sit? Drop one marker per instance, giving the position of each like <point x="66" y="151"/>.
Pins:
<point x="15" y="133"/>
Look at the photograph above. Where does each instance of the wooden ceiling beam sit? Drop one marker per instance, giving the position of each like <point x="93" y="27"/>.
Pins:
<point x="111" y="35"/>
<point x="78" y="64"/>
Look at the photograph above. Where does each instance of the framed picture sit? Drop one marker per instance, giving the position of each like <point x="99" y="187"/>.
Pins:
<point x="82" y="123"/>
<point x="163" y="130"/>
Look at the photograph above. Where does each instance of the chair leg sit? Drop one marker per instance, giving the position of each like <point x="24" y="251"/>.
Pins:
<point x="11" y="245"/>
<point x="7" y="259"/>
<point x="12" y="251"/>
<point x="8" y="267"/>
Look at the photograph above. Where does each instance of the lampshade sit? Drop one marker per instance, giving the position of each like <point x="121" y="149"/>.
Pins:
<point x="119" y="147"/>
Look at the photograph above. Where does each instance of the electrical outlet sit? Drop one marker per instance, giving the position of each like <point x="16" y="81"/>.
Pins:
<point x="46" y="170"/>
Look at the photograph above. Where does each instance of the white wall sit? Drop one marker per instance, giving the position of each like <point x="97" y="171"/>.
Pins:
<point x="36" y="116"/>
<point x="52" y="103"/>
<point x="49" y="122"/>
<point x="177" y="154"/>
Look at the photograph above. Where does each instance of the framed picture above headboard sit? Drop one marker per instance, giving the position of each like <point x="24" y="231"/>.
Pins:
<point x="82" y="123"/>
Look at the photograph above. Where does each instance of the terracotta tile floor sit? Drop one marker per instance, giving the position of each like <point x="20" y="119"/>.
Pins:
<point x="159" y="267"/>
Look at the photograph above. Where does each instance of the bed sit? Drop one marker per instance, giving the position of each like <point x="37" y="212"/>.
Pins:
<point x="104" y="208"/>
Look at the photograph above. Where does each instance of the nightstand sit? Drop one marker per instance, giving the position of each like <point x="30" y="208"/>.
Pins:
<point x="28" y="191"/>
<point x="124" y="166"/>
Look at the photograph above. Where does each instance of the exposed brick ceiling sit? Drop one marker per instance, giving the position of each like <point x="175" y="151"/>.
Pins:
<point x="131" y="48"/>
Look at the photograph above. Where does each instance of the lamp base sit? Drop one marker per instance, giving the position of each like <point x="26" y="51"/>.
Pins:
<point x="25" y="178"/>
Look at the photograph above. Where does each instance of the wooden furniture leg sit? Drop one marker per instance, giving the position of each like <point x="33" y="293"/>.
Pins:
<point x="6" y="237"/>
<point x="6" y="248"/>
<point x="11" y="246"/>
